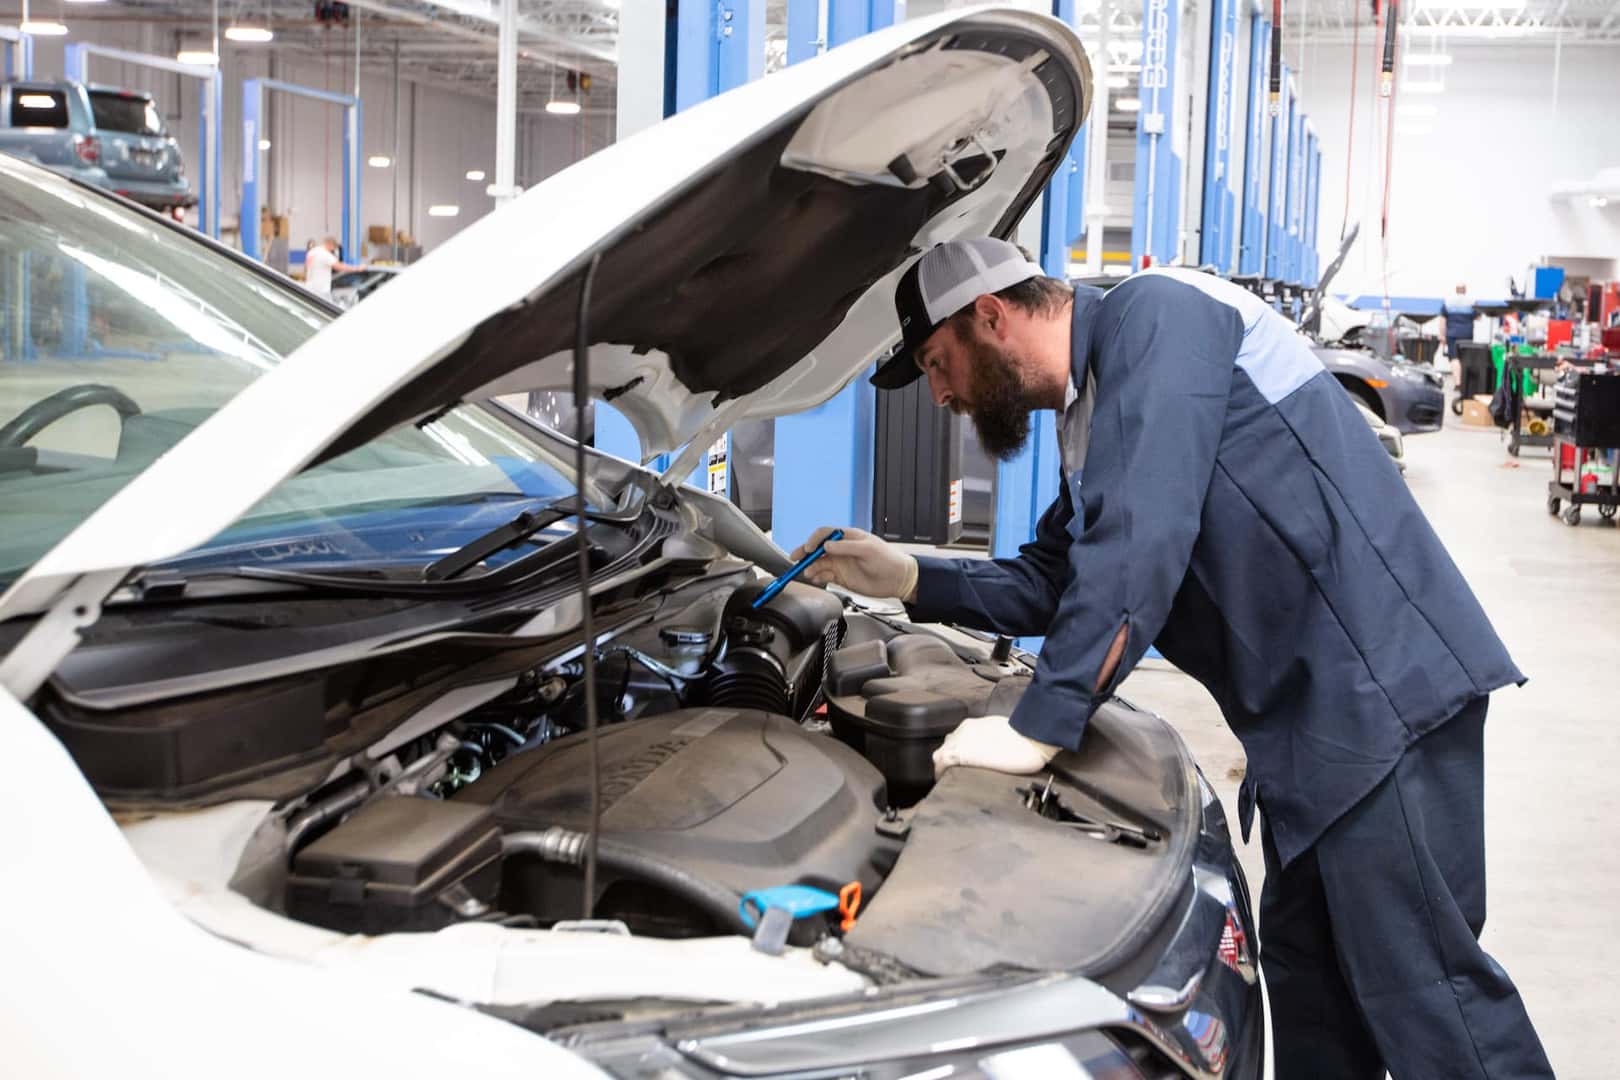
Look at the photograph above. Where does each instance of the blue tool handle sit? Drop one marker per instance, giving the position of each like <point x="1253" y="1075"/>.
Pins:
<point x="795" y="570"/>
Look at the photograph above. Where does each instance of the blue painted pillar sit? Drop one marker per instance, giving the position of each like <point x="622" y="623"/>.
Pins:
<point x="803" y="30"/>
<point x="1277" y="185"/>
<point x="1215" y="240"/>
<point x="1252" y="243"/>
<point x="1156" y="208"/>
<point x="1313" y="190"/>
<point x="824" y="456"/>
<point x="253" y="166"/>
<point x="1295" y="267"/>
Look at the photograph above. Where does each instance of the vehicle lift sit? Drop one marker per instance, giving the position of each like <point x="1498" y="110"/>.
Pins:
<point x="253" y="96"/>
<point x="19" y="50"/>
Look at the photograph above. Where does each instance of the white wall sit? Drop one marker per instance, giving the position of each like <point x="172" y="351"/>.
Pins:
<point x="1469" y="201"/>
<point x="441" y="134"/>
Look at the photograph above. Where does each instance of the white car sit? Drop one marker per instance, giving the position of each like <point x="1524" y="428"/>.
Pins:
<point x="308" y="772"/>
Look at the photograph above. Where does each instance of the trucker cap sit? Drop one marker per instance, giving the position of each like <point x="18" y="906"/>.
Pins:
<point x="948" y="278"/>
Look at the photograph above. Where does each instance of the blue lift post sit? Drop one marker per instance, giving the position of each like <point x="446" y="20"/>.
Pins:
<point x="1293" y="263"/>
<point x="1313" y="191"/>
<point x="1215" y="237"/>
<point x="1156" y="210"/>
<point x="825" y="456"/>
<point x="1277" y="184"/>
<point x="1252" y="243"/>
<point x="253" y="91"/>
<point x="19" y="53"/>
<point x="75" y="66"/>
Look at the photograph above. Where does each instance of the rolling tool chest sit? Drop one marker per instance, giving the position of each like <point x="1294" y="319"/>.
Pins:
<point x="1586" y="433"/>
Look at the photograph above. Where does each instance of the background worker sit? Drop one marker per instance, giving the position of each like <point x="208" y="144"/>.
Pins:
<point x="320" y="262"/>
<point x="1223" y="498"/>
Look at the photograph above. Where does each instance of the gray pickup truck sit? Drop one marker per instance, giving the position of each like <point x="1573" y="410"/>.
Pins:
<point x="105" y="136"/>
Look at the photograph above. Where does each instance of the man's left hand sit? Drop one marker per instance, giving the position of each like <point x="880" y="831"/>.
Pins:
<point x="989" y="742"/>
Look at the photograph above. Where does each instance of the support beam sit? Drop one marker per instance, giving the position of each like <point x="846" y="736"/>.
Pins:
<point x="1313" y="192"/>
<point x="1215" y="247"/>
<point x="719" y="45"/>
<point x="19" y="52"/>
<point x="1277" y="184"/>
<point x="253" y="179"/>
<point x="803" y="30"/>
<point x="825" y="456"/>
<point x="1097" y="185"/>
<point x="1294" y="252"/>
<point x="1252" y="245"/>
<point x="505" y="188"/>
<point x="1156" y="209"/>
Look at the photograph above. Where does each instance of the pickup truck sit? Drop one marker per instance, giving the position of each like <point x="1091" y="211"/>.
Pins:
<point x="105" y="136"/>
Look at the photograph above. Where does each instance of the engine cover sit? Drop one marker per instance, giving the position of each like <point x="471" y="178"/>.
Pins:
<point x="741" y="798"/>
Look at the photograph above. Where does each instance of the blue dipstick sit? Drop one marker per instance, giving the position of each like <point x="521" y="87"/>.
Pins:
<point x="795" y="570"/>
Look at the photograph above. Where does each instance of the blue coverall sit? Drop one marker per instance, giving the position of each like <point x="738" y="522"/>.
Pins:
<point x="1235" y="509"/>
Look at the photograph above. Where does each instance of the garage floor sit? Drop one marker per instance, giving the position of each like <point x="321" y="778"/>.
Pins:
<point x="1552" y="747"/>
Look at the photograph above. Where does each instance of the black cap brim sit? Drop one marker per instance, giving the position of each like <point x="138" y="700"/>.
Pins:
<point x="898" y="371"/>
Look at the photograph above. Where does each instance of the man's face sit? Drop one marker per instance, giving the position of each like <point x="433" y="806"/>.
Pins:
<point x="974" y="375"/>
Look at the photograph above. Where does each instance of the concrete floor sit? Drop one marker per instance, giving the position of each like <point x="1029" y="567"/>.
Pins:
<point x="1552" y="784"/>
<point x="1552" y="766"/>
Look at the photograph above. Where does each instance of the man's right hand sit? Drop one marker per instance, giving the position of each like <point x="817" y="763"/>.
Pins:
<point x="861" y="563"/>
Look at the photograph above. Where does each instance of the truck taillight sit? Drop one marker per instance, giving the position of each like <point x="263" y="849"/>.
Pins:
<point x="88" y="147"/>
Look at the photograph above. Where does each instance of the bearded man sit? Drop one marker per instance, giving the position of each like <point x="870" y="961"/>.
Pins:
<point x="1223" y="499"/>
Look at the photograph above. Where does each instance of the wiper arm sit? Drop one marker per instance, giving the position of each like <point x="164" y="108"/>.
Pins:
<point x="513" y="532"/>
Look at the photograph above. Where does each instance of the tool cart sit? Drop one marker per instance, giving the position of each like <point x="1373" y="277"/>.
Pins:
<point x="1586" y="431"/>
<point x="1513" y="372"/>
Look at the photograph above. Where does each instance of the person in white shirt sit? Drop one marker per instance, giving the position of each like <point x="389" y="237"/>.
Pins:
<point x="320" y="263"/>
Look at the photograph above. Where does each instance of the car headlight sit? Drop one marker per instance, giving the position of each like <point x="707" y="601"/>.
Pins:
<point x="1404" y="371"/>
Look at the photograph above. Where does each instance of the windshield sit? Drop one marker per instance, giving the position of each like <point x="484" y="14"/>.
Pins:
<point x="129" y="113"/>
<point x="119" y="335"/>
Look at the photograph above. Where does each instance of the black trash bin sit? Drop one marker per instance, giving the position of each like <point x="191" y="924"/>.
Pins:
<point x="1478" y="375"/>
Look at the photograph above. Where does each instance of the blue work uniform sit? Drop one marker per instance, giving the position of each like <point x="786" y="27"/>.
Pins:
<point x="1224" y="499"/>
<point x="1459" y="323"/>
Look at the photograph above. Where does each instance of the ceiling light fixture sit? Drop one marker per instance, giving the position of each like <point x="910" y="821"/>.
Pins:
<point x="246" y="35"/>
<point x="1413" y="129"/>
<point x="1424" y="86"/>
<point x="42" y="27"/>
<point x="562" y="108"/>
<point x="36" y="101"/>
<point x="475" y="174"/>
<point x="379" y="161"/>
<point x="195" y="52"/>
<point x="1128" y="104"/>
<point x="264" y="144"/>
<point x="1600" y="201"/>
<point x="443" y="210"/>
<point x="1405" y="109"/>
<point x="1118" y="82"/>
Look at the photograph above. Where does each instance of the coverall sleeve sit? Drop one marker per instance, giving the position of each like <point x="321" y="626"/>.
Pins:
<point x="1164" y="367"/>
<point x="1015" y="596"/>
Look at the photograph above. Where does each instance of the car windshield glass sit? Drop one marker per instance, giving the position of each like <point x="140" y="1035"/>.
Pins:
<point x="119" y="335"/>
<point x="128" y="113"/>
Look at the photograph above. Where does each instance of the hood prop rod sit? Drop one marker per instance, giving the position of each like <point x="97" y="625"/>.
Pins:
<point x="582" y="396"/>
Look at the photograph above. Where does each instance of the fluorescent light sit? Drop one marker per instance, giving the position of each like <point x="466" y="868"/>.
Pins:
<point x="443" y="210"/>
<point x="36" y="101"/>
<point x="200" y="57"/>
<point x="562" y="108"/>
<point x="1413" y="129"/>
<point x="379" y="161"/>
<point x="1423" y="86"/>
<point x="264" y="144"/>
<point x="1407" y="109"/>
<point x="1128" y="104"/>
<point x="475" y="174"/>
<point x="1124" y="69"/>
<point x="1118" y="82"/>
<point x="1428" y="59"/>
<point x="1600" y="201"/>
<point x="43" y="28"/>
<point x="248" y="35"/>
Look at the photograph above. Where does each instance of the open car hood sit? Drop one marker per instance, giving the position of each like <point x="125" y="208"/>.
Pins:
<point x="745" y="256"/>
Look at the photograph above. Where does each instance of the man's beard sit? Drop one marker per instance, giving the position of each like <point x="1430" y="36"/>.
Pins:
<point x="1001" y="401"/>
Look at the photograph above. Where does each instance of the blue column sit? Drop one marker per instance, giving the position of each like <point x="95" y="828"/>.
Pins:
<point x="1156" y="208"/>
<point x="1277" y="185"/>
<point x="719" y="45"/>
<point x="1215" y="241"/>
<point x="803" y="29"/>
<point x="252" y="166"/>
<point x="1313" y="190"/>
<point x="1295" y="263"/>
<point x="824" y="456"/>
<point x="1252" y="245"/>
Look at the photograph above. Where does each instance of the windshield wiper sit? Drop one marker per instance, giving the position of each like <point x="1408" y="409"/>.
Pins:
<point x="514" y="532"/>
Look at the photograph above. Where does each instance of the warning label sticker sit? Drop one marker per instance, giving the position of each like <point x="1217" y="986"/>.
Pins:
<point x="953" y="512"/>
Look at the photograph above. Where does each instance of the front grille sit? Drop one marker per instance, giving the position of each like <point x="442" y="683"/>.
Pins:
<point x="1424" y="414"/>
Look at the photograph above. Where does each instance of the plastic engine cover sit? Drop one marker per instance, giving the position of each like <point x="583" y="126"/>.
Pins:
<point x="741" y="798"/>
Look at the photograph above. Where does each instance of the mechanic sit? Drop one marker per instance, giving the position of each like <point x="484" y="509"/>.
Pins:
<point x="319" y="263"/>
<point x="1459" y="321"/>
<point x="1222" y="498"/>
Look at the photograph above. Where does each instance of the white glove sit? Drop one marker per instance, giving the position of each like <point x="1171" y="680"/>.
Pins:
<point x="861" y="563"/>
<point x="989" y="742"/>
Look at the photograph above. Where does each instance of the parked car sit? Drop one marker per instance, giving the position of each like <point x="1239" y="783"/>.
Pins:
<point x="1411" y="397"/>
<point x="100" y="135"/>
<point x="353" y="286"/>
<point x="295" y="674"/>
